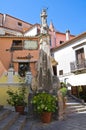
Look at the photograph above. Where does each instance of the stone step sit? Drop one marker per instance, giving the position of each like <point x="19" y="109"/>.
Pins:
<point x="1" y="107"/>
<point x="81" y="109"/>
<point x="4" y="113"/>
<point x="7" y="122"/>
<point x="10" y="120"/>
<point x="73" y="104"/>
<point x="19" y="123"/>
<point x="29" y="124"/>
<point x="75" y="110"/>
<point x="75" y="107"/>
<point x="82" y="112"/>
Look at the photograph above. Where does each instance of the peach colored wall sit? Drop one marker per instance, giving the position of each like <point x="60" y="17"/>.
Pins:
<point x="33" y="68"/>
<point x="11" y="22"/>
<point x="61" y="37"/>
<point x="5" y="56"/>
<point x="15" y="66"/>
<point x="56" y="37"/>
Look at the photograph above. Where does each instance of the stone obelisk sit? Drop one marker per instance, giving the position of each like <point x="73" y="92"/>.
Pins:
<point x="44" y="63"/>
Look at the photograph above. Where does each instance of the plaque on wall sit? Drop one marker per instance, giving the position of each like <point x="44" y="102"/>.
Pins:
<point x="30" y="45"/>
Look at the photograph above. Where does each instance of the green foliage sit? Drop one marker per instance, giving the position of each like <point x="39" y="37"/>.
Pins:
<point x="44" y="102"/>
<point x="63" y="84"/>
<point x="63" y="89"/>
<point x="17" y="98"/>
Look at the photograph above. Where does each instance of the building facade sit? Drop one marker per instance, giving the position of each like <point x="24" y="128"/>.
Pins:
<point x="71" y="57"/>
<point x="16" y="35"/>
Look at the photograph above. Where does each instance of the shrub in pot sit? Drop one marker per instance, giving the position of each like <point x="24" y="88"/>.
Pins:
<point x="45" y="103"/>
<point x="17" y="99"/>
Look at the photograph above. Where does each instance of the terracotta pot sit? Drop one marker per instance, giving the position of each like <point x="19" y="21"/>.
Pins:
<point x="46" y="117"/>
<point x="19" y="109"/>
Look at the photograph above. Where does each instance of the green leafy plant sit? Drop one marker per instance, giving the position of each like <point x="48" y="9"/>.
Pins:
<point x="17" y="98"/>
<point x="63" y="89"/>
<point x="44" y="102"/>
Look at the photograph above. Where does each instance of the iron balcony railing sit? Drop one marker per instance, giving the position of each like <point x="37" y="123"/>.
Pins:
<point x="78" y="65"/>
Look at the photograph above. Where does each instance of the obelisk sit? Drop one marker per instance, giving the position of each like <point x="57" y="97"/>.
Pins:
<point x="44" y="63"/>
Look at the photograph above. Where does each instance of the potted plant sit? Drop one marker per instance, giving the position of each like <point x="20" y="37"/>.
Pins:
<point x="17" y="99"/>
<point x="64" y="93"/>
<point x="44" y="104"/>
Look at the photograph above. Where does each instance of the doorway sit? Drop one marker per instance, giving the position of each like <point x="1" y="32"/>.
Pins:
<point x="23" y="68"/>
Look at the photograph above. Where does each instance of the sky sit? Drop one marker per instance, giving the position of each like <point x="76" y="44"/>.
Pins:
<point x="65" y="14"/>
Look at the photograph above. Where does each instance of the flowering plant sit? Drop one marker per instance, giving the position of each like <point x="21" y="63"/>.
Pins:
<point x="44" y="102"/>
<point x="17" y="98"/>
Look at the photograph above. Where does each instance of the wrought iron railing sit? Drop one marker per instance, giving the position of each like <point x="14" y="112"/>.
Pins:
<point x="78" y="65"/>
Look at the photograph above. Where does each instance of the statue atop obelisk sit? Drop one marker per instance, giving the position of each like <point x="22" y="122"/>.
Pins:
<point x="44" y="62"/>
<point x="44" y="26"/>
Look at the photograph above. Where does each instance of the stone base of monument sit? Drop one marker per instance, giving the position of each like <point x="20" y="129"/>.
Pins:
<point x="30" y="113"/>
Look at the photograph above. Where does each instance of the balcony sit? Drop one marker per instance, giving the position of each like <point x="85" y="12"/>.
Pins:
<point x="78" y="66"/>
<point x="17" y="48"/>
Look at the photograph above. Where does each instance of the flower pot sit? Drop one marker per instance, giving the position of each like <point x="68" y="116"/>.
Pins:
<point x="46" y="117"/>
<point x="20" y="109"/>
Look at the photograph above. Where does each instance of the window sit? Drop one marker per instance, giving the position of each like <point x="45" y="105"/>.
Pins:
<point x="19" y="23"/>
<point x="80" y="58"/>
<point x="60" y="72"/>
<point x="17" y="45"/>
<point x="80" y="54"/>
<point x="61" y="42"/>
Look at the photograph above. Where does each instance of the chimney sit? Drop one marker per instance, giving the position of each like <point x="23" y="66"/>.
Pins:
<point x="3" y="19"/>
<point x="67" y="35"/>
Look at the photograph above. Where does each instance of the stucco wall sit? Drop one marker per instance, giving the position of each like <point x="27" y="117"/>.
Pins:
<point x="66" y="54"/>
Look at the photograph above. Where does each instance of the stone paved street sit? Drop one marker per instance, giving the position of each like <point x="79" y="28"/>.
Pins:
<point x="73" y="122"/>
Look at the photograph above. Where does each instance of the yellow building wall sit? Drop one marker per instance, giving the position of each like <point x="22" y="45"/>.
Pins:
<point x="4" y="96"/>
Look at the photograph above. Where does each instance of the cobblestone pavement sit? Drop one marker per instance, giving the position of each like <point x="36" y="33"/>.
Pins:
<point x="73" y="122"/>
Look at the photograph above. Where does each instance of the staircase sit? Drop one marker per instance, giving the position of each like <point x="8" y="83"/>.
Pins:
<point x="10" y="120"/>
<point x="73" y="106"/>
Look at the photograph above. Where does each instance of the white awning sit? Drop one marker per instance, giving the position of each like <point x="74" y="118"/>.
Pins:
<point x="77" y="80"/>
